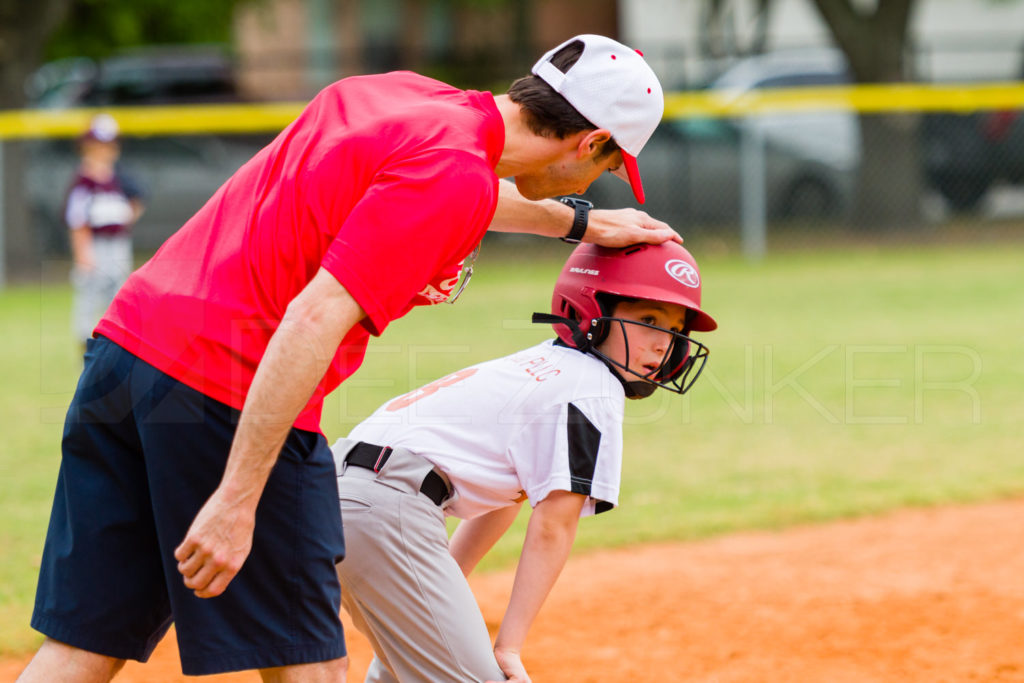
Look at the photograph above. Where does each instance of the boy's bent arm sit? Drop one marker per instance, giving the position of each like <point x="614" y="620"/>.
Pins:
<point x="81" y="247"/>
<point x="474" y="537"/>
<point x="549" y="538"/>
<point x="298" y="355"/>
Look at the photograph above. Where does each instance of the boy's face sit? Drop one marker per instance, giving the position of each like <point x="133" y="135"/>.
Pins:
<point x="101" y="151"/>
<point x="646" y="347"/>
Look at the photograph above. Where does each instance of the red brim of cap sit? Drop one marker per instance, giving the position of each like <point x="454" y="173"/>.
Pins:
<point x="630" y="172"/>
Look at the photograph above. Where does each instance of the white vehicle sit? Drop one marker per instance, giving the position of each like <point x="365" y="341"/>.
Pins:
<point x="829" y="136"/>
<point x="692" y="167"/>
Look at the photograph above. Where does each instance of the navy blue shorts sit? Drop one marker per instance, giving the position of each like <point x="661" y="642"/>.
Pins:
<point x="141" y="454"/>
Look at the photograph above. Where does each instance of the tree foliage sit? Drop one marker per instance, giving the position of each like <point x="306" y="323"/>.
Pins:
<point x="24" y="29"/>
<point x="95" y="28"/>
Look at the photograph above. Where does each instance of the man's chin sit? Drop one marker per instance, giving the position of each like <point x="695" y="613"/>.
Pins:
<point x="530" y="191"/>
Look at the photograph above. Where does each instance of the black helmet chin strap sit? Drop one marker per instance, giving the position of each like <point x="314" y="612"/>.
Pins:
<point x="579" y="337"/>
<point x="638" y="388"/>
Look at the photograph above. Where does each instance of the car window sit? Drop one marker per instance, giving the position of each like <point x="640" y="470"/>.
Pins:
<point x="136" y="80"/>
<point x="804" y="80"/>
<point x="705" y="128"/>
<point x="182" y="150"/>
<point x="154" y="88"/>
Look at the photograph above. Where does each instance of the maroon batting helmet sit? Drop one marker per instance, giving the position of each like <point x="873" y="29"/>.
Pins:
<point x="594" y="278"/>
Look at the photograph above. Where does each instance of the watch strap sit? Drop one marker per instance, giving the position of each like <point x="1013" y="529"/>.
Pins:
<point x="581" y="215"/>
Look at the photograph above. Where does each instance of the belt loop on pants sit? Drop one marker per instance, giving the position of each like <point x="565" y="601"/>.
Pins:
<point x="373" y="457"/>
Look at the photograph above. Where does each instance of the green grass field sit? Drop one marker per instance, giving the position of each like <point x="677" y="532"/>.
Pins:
<point x="841" y="382"/>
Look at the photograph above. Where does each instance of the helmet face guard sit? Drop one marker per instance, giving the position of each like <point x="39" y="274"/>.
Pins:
<point x="680" y="367"/>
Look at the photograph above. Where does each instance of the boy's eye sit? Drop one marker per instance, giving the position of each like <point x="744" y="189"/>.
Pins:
<point x="649" y="320"/>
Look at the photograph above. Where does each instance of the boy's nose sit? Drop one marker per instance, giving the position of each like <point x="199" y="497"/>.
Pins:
<point x="661" y="343"/>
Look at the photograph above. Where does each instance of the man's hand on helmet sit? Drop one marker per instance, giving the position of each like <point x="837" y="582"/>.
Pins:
<point x="623" y="227"/>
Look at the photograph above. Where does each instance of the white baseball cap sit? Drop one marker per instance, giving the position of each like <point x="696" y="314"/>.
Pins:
<point x="614" y="88"/>
<point x="102" y="128"/>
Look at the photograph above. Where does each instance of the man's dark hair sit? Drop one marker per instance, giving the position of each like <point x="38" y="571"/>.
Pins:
<point x="547" y="113"/>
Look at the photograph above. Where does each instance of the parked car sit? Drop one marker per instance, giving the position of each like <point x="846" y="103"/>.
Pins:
<point x="811" y="158"/>
<point x="965" y="154"/>
<point x="692" y="176"/>
<point x="962" y="155"/>
<point x="693" y="167"/>
<point x="171" y="75"/>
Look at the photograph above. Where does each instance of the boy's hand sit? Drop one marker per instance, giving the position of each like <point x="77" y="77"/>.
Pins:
<point x="511" y="663"/>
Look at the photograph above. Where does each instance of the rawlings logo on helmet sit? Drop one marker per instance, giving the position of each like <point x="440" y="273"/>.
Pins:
<point x="683" y="272"/>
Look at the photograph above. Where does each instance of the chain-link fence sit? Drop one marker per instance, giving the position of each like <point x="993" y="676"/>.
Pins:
<point x="802" y="179"/>
<point x="740" y="163"/>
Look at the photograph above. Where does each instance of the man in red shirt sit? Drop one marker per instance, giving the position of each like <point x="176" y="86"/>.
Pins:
<point x="197" y="414"/>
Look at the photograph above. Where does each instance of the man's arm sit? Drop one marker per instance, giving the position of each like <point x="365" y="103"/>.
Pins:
<point x="298" y="355"/>
<point x="550" y="218"/>
<point x="549" y="538"/>
<point x="473" y="538"/>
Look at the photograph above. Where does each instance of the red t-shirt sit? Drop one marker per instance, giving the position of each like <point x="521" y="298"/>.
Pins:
<point x="386" y="181"/>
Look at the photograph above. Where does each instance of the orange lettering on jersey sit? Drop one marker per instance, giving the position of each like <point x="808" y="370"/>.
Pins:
<point x="427" y="390"/>
<point x="539" y="367"/>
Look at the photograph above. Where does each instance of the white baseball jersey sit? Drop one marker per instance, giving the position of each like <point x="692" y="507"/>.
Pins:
<point x="547" y="418"/>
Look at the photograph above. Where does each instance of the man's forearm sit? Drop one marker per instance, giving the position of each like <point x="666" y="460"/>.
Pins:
<point x="296" y="359"/>
<point x="516" y="213"/>
<point x="286" y="378"/>
<point x="550" y="218"/>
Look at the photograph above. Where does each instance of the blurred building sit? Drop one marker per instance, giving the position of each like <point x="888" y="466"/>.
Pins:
<point x="962" y="40"/>
<point x="291" y="48"/>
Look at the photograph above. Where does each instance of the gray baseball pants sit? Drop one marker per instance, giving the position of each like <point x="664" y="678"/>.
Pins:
<point x="400" y="584"/>
<point x="95" y="289"/>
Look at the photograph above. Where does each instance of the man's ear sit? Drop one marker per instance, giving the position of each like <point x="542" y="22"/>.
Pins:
<point x="591" y="142"/>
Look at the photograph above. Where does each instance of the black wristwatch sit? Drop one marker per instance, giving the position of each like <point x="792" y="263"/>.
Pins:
<point x="579" y="222"/>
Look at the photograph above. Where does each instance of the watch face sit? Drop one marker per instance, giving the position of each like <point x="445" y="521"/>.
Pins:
<point x="574" y="202"/>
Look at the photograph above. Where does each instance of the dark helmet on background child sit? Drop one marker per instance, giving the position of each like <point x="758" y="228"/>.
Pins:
<point x="594" y="279"/>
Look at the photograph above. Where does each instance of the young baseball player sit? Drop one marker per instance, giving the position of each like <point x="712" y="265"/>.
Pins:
<point x="543" y="425"/>
<point x="100" y="210"/>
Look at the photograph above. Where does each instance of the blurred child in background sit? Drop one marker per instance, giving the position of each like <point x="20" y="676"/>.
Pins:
<point x="101" y="208"/>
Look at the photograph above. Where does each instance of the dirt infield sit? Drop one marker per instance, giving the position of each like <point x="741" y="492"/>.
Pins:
<point x="919" y="595"/>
